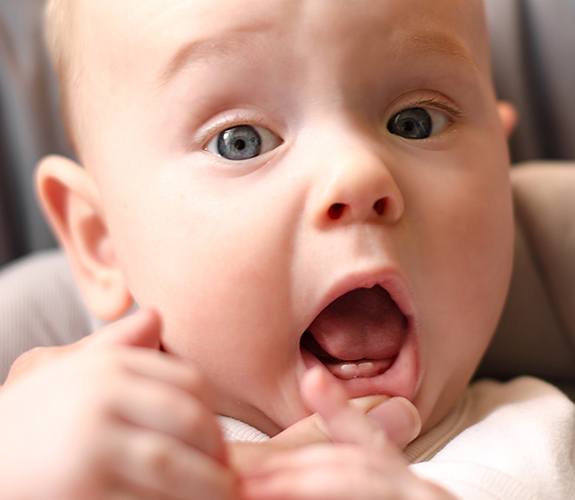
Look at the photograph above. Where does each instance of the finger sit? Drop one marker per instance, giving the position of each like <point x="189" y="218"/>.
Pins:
<point x="298" y="485"/>
<point x="162" y="465"/>
<point x="396" y="416"/>
<point x="170" y="370"/>
<point x="314" y="472"/>
<point x="157" y="407"/>
<point x="399" y="419"/>
<point x="368" y="403"/>
<point x="133" y="492"/>
<point x="294" y="485"/>
<point x="140" y="329"/>
<point x="309" y="430"/>
<point x="30" y="360"/>
<point x="344" y="422"/>
<point x="308" y="457"/>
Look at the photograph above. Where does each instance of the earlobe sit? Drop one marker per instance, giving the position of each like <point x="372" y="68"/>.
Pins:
<point x="71" y="202"/>
<point x="508" y="117"/>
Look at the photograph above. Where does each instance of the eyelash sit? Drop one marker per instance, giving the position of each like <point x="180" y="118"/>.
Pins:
<point x="433" y="102"/>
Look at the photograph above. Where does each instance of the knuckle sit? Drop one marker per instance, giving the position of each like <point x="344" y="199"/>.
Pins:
<point x="34" y="353"/>
<point x="162" y="398"/>
<point x="193" y="419"/>
<point x="228" y="487"/>
<point x="98" y="390"/>
<point x="31" y="356"/>
<point x="192" y="380"/>
<point x="96" y="407"/>
<point x="157" y="459"/>
<point x="105" y="366"/>
<point x="190" y="415"/>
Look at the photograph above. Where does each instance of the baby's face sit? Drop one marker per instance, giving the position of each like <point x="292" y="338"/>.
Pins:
<point x="303" y="182"/>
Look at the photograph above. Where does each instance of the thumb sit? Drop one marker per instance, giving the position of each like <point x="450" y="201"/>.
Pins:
<point x="395" y="419"/>
<point x="395" y="415"/>
<point x="400" y="420"/>
<point x="140" y="329"/>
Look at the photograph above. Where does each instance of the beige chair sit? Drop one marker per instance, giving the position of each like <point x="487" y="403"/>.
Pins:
<point x="536" y="334"/>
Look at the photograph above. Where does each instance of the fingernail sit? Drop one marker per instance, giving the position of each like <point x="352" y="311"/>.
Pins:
<point x="399" y="419"/>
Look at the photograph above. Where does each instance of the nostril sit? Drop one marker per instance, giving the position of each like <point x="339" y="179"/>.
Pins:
<point x="336" y="211"/>
<point x="379" y="206"/>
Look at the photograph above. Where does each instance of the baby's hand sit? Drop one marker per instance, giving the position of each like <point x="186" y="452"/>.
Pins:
<point x="396" y="416"/>
<point x="116" y="334"/>
<point x="361" y="463"/>
<point x="109" y="421"/>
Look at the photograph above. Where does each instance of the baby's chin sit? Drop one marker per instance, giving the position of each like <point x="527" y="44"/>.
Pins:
<point x="437" y="399"/>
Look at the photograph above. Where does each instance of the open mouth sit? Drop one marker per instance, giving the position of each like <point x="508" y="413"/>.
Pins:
<point x="360" y="338"/>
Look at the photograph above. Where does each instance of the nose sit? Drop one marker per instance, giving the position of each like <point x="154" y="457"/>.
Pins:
<point x="357" y="186"/>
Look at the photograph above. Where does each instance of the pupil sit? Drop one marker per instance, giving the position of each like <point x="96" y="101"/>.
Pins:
<point x="409" y="126"/>
<point x="239" y="143"/>
<point x="414" y="123"/>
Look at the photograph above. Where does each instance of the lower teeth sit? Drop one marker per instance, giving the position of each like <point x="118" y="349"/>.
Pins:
<point x="363" y="369"/>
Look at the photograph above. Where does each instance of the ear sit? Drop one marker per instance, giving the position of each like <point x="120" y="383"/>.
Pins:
<point x="71" y="201"/>
<point x="508" y="116"/>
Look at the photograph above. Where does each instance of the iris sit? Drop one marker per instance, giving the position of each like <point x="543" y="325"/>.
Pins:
<point x="239" y="143"/>
<point x="413" y="123"/>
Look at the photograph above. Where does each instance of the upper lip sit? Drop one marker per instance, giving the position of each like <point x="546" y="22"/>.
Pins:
<point x="388" y="278"/>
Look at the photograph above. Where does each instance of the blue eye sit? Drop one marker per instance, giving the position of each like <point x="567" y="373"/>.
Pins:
<point x="243" y="142"/>
<point x="417" y="123"/>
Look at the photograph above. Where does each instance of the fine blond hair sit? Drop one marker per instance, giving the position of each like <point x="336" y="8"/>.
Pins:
<point x="58" y="24"/>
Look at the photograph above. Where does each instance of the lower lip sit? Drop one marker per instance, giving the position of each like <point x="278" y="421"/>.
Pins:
<point x="398" y="377"/>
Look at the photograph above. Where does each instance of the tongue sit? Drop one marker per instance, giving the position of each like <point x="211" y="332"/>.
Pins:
<point x="364" y="324"/>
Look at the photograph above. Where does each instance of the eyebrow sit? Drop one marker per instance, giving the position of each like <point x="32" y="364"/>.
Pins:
<point x="437" y="43"/>
<point x="209" y="47"/>
<point x="424" y="42"/>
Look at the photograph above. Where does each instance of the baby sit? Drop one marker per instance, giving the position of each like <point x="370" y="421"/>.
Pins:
<point x="306" y="191"/>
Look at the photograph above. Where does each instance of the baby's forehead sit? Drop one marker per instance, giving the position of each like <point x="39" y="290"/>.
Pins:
<point x="128" y="49"/>
<point x="148" y="23"/>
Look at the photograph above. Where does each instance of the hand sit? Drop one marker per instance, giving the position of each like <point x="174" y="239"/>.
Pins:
<point x="113" y="334"/>
<point x="109" y="421"/>
<point x="396" y="416"/>
<point x="362" y="462"/>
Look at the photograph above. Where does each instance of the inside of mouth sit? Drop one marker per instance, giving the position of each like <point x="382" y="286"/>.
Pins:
<point x="359" y="335"/>
<point x="345" y="369"/>
<point x="309" y="343"/>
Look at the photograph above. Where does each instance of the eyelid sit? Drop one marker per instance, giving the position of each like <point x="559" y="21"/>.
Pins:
<point x="441" y="104"/>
